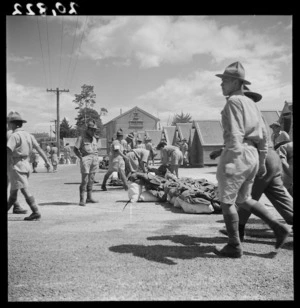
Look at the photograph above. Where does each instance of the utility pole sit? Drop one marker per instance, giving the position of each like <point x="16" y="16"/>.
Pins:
<point x="57" y="113"/>
<point x="54" y="127"/>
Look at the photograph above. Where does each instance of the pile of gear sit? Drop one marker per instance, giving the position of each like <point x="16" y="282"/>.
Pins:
<point x="192" y="195"/>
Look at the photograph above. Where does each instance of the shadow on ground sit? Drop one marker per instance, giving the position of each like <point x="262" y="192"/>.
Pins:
<point x="57" y="203"/>
<point x="194" y="247"/>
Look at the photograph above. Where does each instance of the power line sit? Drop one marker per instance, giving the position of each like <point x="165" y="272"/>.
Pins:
<point x="72" y="51"/>
<point x="61" y="44"/>
<point x="48" y="53"/>
<point x="78" y="51"/>
<point x="45" y="76"/>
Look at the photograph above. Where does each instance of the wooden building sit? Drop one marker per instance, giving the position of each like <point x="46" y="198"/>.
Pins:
<point x="207" y="137"/>
<point x="134" y="120"/>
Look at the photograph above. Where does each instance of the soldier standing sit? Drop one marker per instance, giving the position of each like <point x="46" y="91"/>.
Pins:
<point x="86" y="150"/>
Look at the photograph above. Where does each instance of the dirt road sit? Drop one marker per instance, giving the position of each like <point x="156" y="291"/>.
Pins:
<point x="148" y="251"/>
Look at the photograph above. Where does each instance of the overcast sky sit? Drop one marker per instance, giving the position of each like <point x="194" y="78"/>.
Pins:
<point x="163" y="64"/>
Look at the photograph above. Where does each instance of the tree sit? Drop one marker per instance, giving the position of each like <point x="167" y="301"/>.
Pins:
<point x="181" y="118"/>
<point x="86" y="99"/>
<point x="66" y="130"/>
<point x="84" y="116"/>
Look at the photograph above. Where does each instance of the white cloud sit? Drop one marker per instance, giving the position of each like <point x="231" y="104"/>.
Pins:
<point x="154" y="40"/>
<point x="25" y="99"/>
<point x="200" y="94"/>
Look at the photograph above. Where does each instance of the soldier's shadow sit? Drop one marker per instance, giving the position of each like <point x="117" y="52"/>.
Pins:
<point x="57" y="203"/>
<point x="192" y="247"/>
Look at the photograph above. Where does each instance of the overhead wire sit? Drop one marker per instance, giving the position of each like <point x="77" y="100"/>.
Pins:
<point x="85" y="23"/>
<point x="72" y="51"/>
<point x="45" y="76"/>
<point x="61" y="44"/>
<point x="50" y="79"/>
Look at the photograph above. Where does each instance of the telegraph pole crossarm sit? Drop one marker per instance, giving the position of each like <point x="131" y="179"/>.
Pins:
<point x="57" y="120"/>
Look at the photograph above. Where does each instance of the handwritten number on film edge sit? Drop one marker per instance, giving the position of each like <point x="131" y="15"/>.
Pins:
<point x="43" y="9"/>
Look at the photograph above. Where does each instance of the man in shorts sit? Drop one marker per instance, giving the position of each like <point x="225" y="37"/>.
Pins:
<point x="137" y="160"/>
<point x="243" y="158"/>
<point x="270" y="184"/>
<point x="117" y="157"/>
<point x="85" y="149"/>
<point x="171" y="154"/>
<point x="19" y="147"/>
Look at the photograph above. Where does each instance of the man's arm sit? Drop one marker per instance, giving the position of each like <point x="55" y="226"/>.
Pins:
<point x="77" y="147"/>
<point x="40" y="151"/>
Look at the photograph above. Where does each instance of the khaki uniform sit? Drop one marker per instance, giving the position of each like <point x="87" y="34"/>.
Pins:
<point x="87" y="146"/>
<point x="21" y="144"/>
<point x="244" y="135"/>
<point x="135" y="157"/>
<point x="173" y="153"/>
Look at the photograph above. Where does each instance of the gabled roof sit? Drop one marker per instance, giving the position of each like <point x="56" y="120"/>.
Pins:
<point x="184" y="130"/>
<point x="130" y="111"/>
<point x="155" y="135"/>
<point x="270" y="116"/>
<point x="210" y="132"/>
<point x="286" y="107"/>
<point x="169" y="132"/>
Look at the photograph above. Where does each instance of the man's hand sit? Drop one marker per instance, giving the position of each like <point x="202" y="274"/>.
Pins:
<point x="215" y="154"/>
<point x="261" y="171"/>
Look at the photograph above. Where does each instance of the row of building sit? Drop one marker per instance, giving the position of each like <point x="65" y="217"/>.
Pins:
<point x="203" y="136"/>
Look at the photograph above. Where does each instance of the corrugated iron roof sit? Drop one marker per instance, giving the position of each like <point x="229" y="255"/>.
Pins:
<point x="210" y="132"/>
<point x="184" y="130"/>
<point x="169" y="132"/>
<point x="270" y="116"/>
<point x="155" y="135"/>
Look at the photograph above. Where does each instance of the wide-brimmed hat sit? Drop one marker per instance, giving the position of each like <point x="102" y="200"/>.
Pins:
<point x="92" y="124"/>
<point x="161" y="144"/>
<point x="148" y="139"/>
<point x="256" y="97"/>
<point x="120" y="133"/>
<point x="15" y="116"/>
<point x="275" y="124"/>
<point x="130" y="136"/>
<point x="139" y="140"/>
<point x="235" y="70"/>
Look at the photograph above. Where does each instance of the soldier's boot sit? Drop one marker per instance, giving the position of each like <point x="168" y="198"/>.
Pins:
<point x="11" y="202"/>
<point x="35" y="215"/>
<point x="281" y="231"/>
<point x="241" y="232"/>
<point x="18" y="209"/>
<point x="89" y="198"/>
<point x="233" y="249"/>
<point x="81" y="195"/>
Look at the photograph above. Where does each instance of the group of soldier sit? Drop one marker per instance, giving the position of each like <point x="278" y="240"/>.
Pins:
<point x="247" y="166"/>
